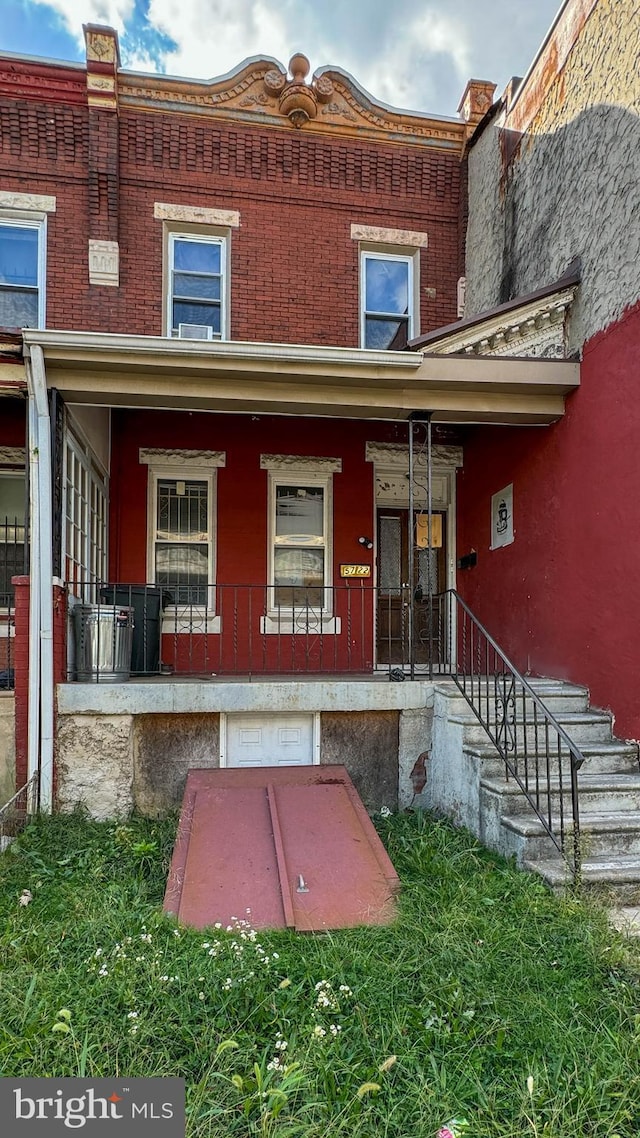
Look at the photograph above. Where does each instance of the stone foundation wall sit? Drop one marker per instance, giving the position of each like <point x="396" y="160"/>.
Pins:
<point x="113" y="764"/>
<point x="7" y="747"/>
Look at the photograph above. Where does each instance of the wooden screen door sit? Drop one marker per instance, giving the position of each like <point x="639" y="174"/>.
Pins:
<point x="394" y="599"/>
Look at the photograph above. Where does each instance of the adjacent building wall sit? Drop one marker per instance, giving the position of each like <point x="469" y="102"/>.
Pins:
<point x="561" y="598"/>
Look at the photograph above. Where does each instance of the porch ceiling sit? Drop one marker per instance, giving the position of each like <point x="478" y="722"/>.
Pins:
<point x="287" y="379"/>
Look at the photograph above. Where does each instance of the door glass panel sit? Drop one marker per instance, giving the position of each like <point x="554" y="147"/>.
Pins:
<point x="426" y="556"/>
<point x="390" y="556"/>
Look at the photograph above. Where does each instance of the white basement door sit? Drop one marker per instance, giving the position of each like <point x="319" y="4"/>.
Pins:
<point x="263" y="740"/>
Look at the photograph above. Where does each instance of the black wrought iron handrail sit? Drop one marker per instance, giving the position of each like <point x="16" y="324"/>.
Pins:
<point x="536" y="750"/>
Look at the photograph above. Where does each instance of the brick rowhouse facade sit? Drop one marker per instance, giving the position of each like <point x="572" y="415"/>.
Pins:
<point x="297" y="195"/>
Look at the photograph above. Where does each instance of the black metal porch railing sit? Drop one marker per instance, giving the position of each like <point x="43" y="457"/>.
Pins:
<point x="251" y="630"/>
<point x="536" y="750"/>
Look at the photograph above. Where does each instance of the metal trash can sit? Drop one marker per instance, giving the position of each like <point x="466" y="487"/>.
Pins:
<point x="103" y="641"/>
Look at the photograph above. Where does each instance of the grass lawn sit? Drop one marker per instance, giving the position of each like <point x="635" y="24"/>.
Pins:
<point x="489" y="1000"/>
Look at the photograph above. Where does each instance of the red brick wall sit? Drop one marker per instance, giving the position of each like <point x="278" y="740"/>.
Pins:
<point x="294" y="267"/>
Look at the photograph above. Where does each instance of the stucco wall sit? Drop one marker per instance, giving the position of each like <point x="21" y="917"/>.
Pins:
<point x="572" y="187"/>
<point x="7" y="747"/>
<point x="164" y="748"/>
<point x="114" y="763"/>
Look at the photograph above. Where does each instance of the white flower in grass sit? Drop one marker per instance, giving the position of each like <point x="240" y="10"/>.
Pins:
<point x="26" y="897"/>
<point x="385" y="812"/>
<point x="132" y="1015"/>
<point x="281" y="1045"/>
<point x="319" y="1032"/>
<point x="201" y="995"/>
<point x="335" y="1028"/>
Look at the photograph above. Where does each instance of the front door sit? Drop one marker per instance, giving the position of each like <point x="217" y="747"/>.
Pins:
<point x="399" y="615"/>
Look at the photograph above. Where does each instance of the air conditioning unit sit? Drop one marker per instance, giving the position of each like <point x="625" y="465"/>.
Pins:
<point x="195" y="332"/>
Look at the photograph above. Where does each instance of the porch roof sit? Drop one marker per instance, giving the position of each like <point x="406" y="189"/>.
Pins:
<point x="112" y="370"/>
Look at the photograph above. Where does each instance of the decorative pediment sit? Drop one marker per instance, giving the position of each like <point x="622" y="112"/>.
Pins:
<point x="264" y="89"/>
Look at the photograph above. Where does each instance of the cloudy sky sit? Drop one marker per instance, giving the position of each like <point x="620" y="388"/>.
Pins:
<point x="416" y="54"/>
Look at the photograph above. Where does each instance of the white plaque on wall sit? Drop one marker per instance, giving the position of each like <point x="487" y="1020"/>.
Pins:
<point x="502" y="517"/>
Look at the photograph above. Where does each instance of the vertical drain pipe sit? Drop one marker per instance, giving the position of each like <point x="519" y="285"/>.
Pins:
<point x="41" y="598"/>
<point x="411" y="554"/>
<point x="430" y="546"/>
<point x="33" y="697"/>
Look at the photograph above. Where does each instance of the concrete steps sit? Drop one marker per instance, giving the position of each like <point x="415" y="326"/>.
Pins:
<point x="608" y="785"/>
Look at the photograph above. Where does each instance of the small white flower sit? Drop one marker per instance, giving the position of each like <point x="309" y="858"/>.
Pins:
<point x="335" y="1028"/>
<point x="385" y="812"/>
<point x="26" y="897"/>
<point x="176" y="932"/>
<point x="319" y="1032"/>
<point x="281" y="1045"/>
<point x="132" y="1015"/>
<point x="201" y="995"/>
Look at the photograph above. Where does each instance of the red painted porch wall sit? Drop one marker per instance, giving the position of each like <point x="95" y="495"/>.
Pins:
<point x="13" y="414"/>
<point x="242" y="504"/>
<point x="562" y="599"/>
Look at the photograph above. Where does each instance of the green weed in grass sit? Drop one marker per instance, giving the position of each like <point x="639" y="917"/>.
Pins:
<point x="489" y="1000"/>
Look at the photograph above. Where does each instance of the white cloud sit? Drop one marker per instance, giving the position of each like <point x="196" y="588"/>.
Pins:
<point x="392" y="75"/>
<point x="115" y="13"/>
<point x="214" y="36"/>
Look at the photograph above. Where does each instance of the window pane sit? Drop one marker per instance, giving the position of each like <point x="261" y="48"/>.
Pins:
<point x="200" y="288"/>
<point x="18" y="309"/>
<point x="197" y="314"/>
<point x="298" y="577"/>
<point x="184" y="570"/>
<point x="197" y="256"/>
<point x="387" y="286"/>
<point x="12" y="498"/>
<point x="182" y="513"/>
<point x="300" y="512"/>
<point x="18" y="255"/>
<point x="383" y="335"/>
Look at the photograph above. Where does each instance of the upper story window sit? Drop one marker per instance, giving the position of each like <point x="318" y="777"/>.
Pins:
<point x="387" y="319"/>
<point x="22" y="273"/>
<point x="197" y="286"/>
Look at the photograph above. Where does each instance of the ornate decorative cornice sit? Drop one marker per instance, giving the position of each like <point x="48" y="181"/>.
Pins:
<point x="260" y="92"/>
<point x="309" y="464"/>
<point x="13" y="456"/>
<point x="395" y="456"/>
<point x="156" y="456"/>
<point x="537" y="330"/>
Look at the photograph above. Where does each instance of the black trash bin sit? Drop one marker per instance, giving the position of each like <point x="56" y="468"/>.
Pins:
<point x="148" y="603"/>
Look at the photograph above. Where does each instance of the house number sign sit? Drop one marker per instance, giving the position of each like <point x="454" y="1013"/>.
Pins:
<point x="355" y="570"/>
